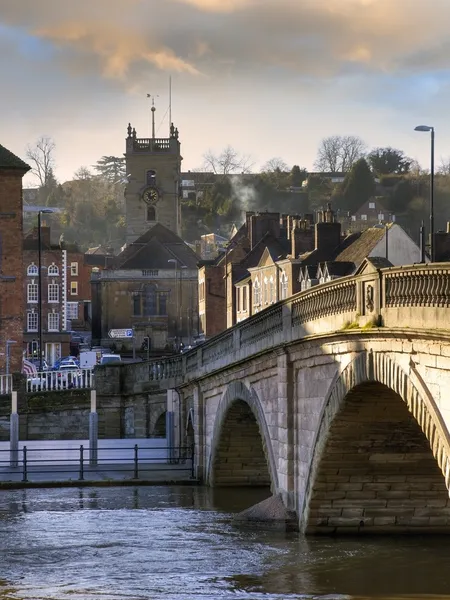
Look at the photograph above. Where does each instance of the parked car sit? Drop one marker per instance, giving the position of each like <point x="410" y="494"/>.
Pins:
<point x="108" y="359"/>
<point x="67" y="361"/>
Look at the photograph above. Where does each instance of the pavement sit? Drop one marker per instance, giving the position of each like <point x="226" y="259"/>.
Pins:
<point x="121" y="474"/>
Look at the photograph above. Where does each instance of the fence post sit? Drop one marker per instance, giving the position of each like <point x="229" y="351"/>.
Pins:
<point x="136" y="462"/>
<point x="93" y="430"/>
<point x="81" y="477"/>
<point x="24" y="463"/>
<point x="14" y="432"/>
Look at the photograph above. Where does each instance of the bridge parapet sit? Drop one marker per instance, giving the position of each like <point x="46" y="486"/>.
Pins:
<point x="408" y="296"/>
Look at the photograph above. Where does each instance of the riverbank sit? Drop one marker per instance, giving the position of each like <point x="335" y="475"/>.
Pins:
<point x="95" y="476"/>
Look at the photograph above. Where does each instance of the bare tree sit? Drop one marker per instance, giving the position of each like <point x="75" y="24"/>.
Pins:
<point x="42" y="159"/>
<point x="275" y="164"/>
<point x="229" y="161"/>
<point x="444" y="167"/>
<point x="338" y="153"/>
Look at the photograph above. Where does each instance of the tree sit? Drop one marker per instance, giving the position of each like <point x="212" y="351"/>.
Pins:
<point x="275" y="164"/>
<point x="41" y="155"/>
<point x="388" y="161"/>
<point x="338" y="153"/>
<point x="228" y="162"/>
<point x="358" y="186"/>
<point x="276" y="172"/>
<point x="111" y="168"/>
<point x="298" y="176"/>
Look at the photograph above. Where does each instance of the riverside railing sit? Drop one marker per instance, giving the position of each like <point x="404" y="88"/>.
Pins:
<point x="54" y="381"/>
<point x="135" y="463"/>
<point x="373" y="296"/>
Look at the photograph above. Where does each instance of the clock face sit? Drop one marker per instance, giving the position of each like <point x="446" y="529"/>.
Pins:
<point x="151" y="196"/>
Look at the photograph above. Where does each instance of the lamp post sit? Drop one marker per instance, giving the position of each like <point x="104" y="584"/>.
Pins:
<point x="40" y="212"/>
<point x="431" y="130"/>
<point x="175" y="265"/>
<point x="183" y="267"/>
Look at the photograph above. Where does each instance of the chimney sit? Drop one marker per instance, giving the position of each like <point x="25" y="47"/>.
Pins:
<point x="442" y="245"/>
<point x="327" y="231"/>
<point x="261" y="224"/>
<point x="302" y="238"/>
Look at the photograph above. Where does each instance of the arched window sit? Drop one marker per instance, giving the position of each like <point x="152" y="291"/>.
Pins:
<point x="151" y="213"/>
<point x="149" y="300"/>
<point x="257" y="293"/>
<point x="151" y="178"/>
<point x="53" y="269"/>
<point x="272" y="295"/>
<point x="32" y="270"/>
<point x="265" y="291"/>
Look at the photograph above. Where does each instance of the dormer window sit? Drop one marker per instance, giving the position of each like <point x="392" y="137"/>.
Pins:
<point x="32" y="270"/>
<point x="53" y="270"/>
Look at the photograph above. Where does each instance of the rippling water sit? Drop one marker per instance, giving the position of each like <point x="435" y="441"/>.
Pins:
<point x="178" y="543"/>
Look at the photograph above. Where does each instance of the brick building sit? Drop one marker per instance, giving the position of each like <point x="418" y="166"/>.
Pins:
<point x="78" y="283"/>
<point x="12" y="170"/>
<point x="55" y="339"/>
<point x="259" y="267"/>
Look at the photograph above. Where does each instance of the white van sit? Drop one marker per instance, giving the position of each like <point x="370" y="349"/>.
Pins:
<point x="109" y="359"/>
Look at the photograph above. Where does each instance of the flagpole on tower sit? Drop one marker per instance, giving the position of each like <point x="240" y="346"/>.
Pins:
<point x="153" y="109"/>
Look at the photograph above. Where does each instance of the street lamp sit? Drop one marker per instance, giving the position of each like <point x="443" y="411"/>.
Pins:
<point x="40" y="212"/>
<point x="183" y="267"/>
<point x="175" y="264"/>
<point x="431" y="130"/>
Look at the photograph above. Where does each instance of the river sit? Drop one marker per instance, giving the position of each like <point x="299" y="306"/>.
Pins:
<point x="179" y="543"/>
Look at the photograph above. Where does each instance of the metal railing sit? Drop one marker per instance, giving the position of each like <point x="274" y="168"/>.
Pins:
<point x="52" y="381"/>
<point x="6" y="384"/>
<point x="84" y="463"/>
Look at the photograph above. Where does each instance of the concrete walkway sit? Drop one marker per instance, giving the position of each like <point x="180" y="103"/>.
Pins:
<point x="120" y="474"/>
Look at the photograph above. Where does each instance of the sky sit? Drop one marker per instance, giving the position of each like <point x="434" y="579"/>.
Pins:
<point x="269" y="77"/>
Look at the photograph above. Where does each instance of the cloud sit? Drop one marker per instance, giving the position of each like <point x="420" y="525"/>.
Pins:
<point x="310" y="38"/>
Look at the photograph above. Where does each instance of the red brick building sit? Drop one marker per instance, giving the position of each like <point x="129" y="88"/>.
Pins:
<point x="12" y="170"/>
<point x="55" y="339"/>
<point x="78" y="283"/>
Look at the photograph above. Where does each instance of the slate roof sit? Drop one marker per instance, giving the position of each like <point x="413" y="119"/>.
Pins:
<point x="361" y="247"/>
<point x="8" y="160"/>
<point x="153" y="249"/>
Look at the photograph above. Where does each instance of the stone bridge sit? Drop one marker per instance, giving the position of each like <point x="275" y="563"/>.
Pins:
<point x="337" y="398"/>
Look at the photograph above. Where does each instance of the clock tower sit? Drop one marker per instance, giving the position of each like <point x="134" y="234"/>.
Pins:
<point x="152" y="193"/>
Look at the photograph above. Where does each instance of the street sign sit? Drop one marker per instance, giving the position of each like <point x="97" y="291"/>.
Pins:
<point x="120" y="333"/>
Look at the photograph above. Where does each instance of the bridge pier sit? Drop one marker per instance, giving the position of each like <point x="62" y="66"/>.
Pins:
<point x="285" y="434"/>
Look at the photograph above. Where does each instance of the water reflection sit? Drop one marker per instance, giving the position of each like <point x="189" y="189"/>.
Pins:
<point x="181" y="543"/>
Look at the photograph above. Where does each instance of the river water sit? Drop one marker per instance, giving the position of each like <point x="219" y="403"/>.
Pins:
<point x="179" y="543"/>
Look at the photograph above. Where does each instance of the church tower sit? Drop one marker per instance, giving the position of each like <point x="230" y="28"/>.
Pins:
<point x="152" y="194"/>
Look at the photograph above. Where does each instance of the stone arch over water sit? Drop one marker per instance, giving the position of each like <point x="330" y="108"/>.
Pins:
<point x="241" y="450"/>
<point x="381" y="457"/>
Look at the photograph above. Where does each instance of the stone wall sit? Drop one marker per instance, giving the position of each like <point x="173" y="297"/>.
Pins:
<point x="240" y="458"/>
<point x="377" y="470"/>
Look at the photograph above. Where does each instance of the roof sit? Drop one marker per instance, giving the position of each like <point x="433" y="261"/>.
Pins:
<point x="340" y="268"/>
<point x="153" y="250"/>
<point x="8" y="160"/>
<point x="362" y="246"/>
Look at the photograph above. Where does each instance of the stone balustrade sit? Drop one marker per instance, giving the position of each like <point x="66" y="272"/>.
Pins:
<point x="414" y="296"/>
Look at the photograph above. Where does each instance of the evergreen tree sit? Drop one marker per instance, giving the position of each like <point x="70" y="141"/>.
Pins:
<point x="111" y="168"/>
<point x="358" y="186"/>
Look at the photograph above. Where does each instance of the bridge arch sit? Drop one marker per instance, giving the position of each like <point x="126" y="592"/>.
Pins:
<point x="241" y="450"/>
<point x="381" y="459"/>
